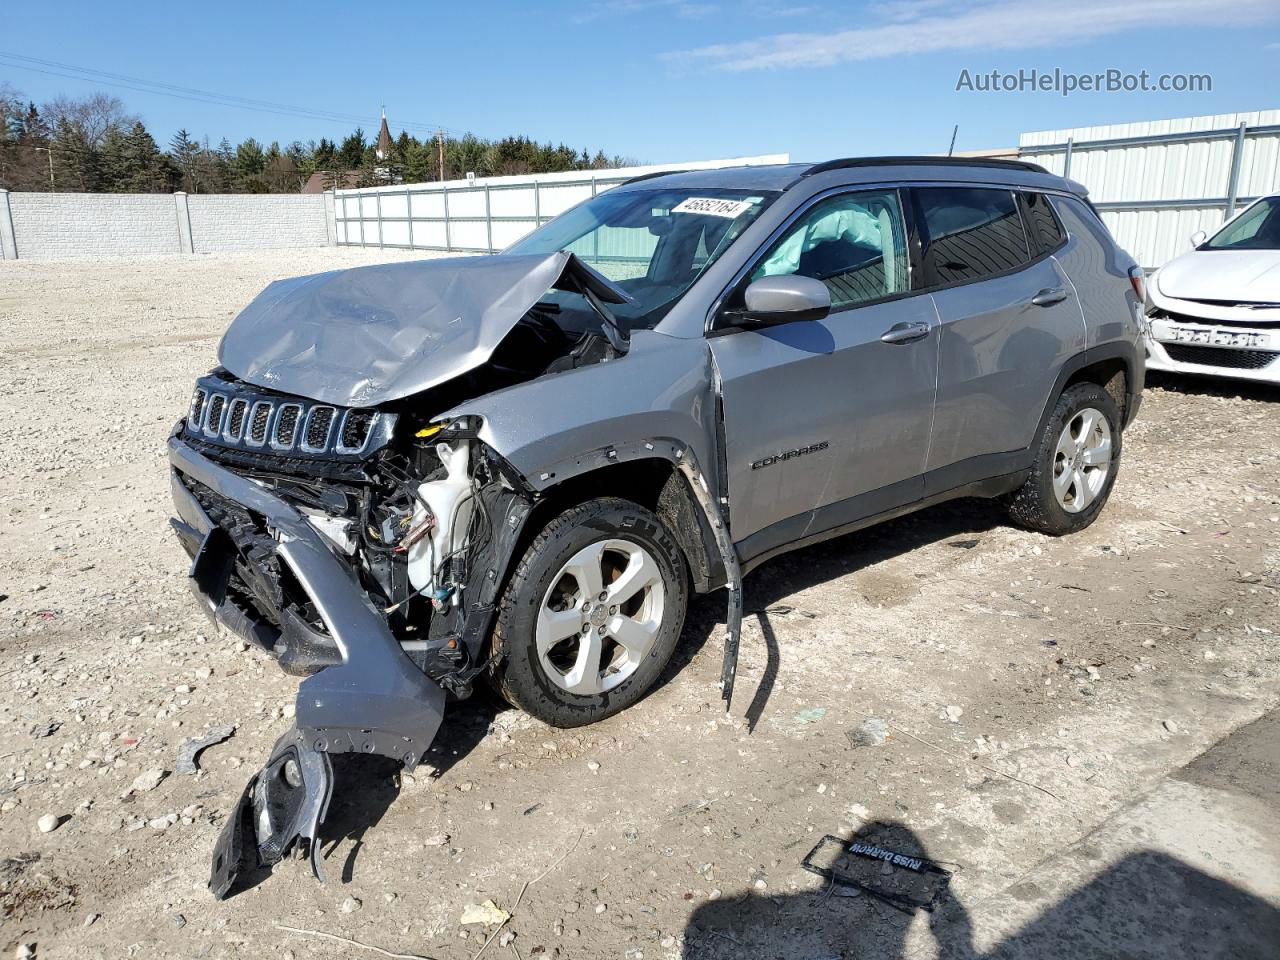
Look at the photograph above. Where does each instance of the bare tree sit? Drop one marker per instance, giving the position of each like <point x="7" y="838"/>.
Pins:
<point x="95" y="116"/>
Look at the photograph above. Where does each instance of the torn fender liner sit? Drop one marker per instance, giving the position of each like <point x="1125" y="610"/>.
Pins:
<point x="732" y="570"/>
<point x="283" y="803"/>
<point x="364" y="336"/>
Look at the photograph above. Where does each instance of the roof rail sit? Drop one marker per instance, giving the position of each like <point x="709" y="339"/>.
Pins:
<point x="923" y="162"/>
<point x="650" y="176"/>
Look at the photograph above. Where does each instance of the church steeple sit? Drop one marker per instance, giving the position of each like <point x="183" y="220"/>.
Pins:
<point x="383" y="149"/>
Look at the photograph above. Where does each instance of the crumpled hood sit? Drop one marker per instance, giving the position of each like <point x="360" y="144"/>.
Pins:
<point x="1236" y="275"/>
<point x="364" y="336"/>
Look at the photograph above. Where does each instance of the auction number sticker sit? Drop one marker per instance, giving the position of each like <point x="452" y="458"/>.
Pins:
<point x="715" y="206"/>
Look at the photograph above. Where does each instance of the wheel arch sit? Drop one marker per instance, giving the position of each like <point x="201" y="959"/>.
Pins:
<point x="1116" y="367"/>
<point x="653" y="481"/>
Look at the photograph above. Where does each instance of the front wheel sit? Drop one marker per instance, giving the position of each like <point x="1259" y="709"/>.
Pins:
<point x="1077" y="459"/>
<point x="591" y="615"/>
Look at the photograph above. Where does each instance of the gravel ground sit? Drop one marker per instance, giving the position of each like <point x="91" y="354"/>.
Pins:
<point x="1024" y="689"/>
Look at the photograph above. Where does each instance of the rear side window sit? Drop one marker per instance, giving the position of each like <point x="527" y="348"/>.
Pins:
<point x="1043" y="223"/>
<point x="968" y="233"/>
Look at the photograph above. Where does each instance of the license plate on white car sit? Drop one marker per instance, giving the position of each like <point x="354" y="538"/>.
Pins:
<point x="1218" y="338"/>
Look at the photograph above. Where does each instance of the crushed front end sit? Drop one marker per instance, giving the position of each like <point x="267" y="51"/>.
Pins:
<point x="363" y="548"/>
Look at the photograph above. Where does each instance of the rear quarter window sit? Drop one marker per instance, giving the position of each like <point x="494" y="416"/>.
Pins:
<point x="1043" y="222"/>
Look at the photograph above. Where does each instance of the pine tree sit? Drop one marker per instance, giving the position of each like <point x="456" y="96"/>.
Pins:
<point x="78" y="167"/>
<point x="247" y="166"/>
<point x="351" y="153"/>
<point x="185" y="153"/>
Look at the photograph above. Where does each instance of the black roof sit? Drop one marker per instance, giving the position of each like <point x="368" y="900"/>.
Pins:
<point x="920" y="161"/>
<point x="784" y="176"/>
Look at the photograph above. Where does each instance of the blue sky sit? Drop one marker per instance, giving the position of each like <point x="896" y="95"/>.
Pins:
<point x="658" y="80"/>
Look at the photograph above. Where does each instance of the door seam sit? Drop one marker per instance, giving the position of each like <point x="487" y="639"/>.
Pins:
<point x="937" y="379"/>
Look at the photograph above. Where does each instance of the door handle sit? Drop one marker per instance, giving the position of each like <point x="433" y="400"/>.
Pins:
<point x="905" y="333"/>
<point x="1049" y="296"/>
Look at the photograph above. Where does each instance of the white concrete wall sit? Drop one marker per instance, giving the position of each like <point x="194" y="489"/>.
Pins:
<point x="252" y="221"/>
<point x="47" y="225"/>
<point x="42" y="226"/>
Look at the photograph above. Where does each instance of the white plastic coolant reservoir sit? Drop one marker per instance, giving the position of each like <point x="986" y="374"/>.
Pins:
<point x="450" y="500"/>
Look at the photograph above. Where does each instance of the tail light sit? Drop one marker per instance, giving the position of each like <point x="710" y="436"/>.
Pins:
<point x="1139" y="281"/>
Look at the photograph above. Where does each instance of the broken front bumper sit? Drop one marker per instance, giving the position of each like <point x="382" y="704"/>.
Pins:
<point x="366" y="696"/>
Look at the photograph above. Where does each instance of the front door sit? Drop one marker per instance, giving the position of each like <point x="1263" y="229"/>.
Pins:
<point x="829" y="420"/>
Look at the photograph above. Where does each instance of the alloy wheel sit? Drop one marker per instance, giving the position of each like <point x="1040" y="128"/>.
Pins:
<point x="1082" y="460"/>
<point x="600" y="617"/>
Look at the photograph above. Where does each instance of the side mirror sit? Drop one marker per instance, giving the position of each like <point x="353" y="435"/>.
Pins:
<point x="771" y="301"/>
<point x="1198" y="238"/>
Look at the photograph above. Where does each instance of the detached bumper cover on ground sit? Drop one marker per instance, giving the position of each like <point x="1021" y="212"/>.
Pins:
<point x="373" y="700"/>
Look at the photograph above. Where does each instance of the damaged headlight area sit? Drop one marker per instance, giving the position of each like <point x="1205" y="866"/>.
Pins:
<point x="372" y="576"/>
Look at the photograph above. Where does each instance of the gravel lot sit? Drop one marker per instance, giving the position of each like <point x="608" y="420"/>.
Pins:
<point x="1030" y="689"/>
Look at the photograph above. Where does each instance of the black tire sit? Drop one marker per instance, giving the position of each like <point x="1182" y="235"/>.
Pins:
<point x="515" y="667"/>
<point x="1035" y="505"/>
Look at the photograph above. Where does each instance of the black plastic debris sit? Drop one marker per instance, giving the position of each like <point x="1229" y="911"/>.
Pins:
<point x="906" y="881"/>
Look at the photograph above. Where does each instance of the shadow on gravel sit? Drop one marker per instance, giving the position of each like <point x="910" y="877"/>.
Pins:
<point x="1214" y="387"/>
<point x="1147" y="906"/>
<point x="790" y="573"/>
<point x="363" y="788"/>
<point x="366" y="786"/>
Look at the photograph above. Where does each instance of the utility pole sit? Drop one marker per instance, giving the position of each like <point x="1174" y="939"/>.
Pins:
<point x="49" y="151"/>
<point x="440" y="138"/>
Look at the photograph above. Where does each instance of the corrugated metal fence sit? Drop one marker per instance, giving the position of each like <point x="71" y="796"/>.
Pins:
<point x="1156" y="183"/>
<point x="482" y="215"/>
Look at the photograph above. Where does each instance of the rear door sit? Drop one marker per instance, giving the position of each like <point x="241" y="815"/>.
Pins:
<point x="818" y="414"/>
<point x="1009" y="318"/>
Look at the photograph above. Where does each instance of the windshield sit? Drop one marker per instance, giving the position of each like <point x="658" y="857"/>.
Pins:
<point x="1258" y="228"/>
<point x="652" y="243"/>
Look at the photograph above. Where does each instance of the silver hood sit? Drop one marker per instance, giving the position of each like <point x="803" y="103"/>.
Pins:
<point x="364" y="336"/>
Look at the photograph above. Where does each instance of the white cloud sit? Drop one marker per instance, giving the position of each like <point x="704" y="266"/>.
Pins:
<point x="923" y="26"/>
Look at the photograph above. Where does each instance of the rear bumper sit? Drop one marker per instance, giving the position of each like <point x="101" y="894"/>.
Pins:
<point x="365" y="695"/>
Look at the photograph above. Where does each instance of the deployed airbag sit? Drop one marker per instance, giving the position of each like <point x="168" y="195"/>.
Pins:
<point x="364" y="336"/>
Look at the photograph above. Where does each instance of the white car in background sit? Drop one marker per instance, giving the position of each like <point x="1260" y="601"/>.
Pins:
<point x="1215" y="310"/>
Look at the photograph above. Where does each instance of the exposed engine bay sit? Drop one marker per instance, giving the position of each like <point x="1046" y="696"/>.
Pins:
<point x="408" y="502"/>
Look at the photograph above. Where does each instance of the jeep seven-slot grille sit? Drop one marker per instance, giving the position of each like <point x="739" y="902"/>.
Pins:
<point x="235" y="418"/>
<point x="356" y="429"/>
<point x="214" y="422"/>
<point x="229" y="414"/>
<point x="286" y="425"/>
<point x="258" y="424"/>
<point x="319" y="420"/>
<point x="196" y="415"/>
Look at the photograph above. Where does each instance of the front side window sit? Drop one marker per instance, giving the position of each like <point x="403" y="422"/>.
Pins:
<point x="854" y="243"/>
<point x="652" y="243"/>
<point x="1258" y="228"/>
<point x="968" y="233"/>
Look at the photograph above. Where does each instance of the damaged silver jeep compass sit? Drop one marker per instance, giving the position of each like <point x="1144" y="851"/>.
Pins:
<point x="405" y="479"/>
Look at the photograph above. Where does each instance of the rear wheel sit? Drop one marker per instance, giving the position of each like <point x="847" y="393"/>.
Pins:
<point x="1076" y="463"/>
<point x="591" y="615"/>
